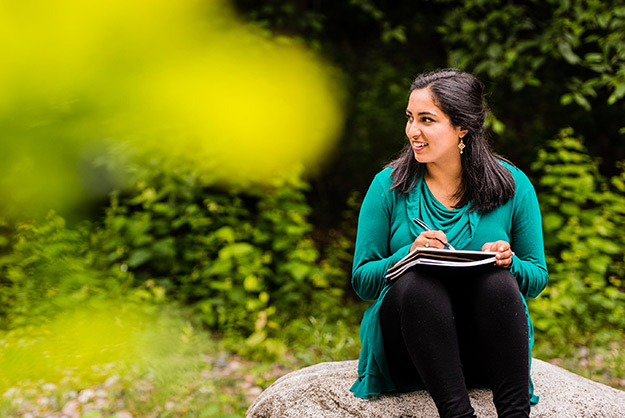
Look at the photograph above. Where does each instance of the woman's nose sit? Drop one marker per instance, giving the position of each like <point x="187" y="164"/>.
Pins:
<point x="413" y="131"/>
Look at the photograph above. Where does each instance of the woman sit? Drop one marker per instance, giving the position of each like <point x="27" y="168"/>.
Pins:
<point x="444" y="328"/>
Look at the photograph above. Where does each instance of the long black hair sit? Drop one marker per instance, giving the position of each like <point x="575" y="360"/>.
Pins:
<point x="485" y="181"/>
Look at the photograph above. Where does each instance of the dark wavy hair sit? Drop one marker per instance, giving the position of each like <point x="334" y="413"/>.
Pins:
<point x="485" y="181"/>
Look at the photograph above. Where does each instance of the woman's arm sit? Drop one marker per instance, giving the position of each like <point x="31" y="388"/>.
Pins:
<point x="528" y="263"/>
<point x="372" y="256"/>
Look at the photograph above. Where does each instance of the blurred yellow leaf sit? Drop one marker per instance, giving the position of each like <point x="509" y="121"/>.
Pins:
<point x="184" y="81"/>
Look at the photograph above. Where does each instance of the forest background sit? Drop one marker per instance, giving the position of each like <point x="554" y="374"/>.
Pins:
<point x="180" y="185"/>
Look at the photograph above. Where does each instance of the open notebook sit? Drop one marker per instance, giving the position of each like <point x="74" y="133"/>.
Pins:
<point x="441" y="257"/>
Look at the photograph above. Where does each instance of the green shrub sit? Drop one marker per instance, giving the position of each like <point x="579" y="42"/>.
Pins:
<point x="45" y="268"/>
<point x="584" y="228"/>
<point x="244" y="260"/>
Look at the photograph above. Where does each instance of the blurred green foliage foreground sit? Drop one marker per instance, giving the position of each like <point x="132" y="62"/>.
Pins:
<point x="202" y="124"/>
<point x="79" y="302"/>
<point x="176" y="262"/>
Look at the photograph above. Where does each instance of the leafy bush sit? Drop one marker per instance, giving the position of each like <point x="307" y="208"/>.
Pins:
<point x="244" y="260"/>
<point x="584" y="225"/>
<point x="524" y="38"/>
<point x="45" y="268"/>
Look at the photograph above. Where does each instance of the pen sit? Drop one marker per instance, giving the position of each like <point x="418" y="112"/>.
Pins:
<point x="427" y="228"/>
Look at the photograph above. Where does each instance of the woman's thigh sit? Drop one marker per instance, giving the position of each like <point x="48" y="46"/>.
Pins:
<point x="405" y="315"/>
<point x="452" y="300"/>
<point x="488" y="310"/>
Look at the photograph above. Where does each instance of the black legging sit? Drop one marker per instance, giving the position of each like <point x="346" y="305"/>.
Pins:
<point x="454" y="328"/>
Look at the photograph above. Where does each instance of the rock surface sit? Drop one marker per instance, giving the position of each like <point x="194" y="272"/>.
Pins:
<point x="323" y="391"/>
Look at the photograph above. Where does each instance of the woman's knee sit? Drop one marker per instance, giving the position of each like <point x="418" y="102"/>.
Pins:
<point x="497" y="283"/>
<point x="419" y="284"/>
<point x="498" y="286"/>
<point x="417" y="290"/>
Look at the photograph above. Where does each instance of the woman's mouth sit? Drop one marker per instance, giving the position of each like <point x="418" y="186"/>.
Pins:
<point x="418" y="146"/>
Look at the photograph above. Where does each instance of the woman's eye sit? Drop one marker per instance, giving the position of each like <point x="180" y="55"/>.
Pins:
<point x="427" y="119"/>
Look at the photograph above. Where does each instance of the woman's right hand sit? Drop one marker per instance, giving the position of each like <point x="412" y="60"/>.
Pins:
<point x="430" y="239"/>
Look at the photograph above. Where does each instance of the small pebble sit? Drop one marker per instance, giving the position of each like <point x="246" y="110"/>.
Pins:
<point x="86" y="395"/>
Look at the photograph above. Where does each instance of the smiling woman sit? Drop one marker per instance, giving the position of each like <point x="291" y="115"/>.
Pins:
<point x="456" y="97"/>
<point x="449" y="328"/>
<point x="432" y="136"/>
<point x="435" y="142"/>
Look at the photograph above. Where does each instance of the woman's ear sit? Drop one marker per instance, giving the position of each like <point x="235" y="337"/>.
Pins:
<point x="462" y="132"/>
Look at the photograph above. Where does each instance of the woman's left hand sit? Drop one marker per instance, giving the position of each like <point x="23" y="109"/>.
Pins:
<point x="504" y="253"/>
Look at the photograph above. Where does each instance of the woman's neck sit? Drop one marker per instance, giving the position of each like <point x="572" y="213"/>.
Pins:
<point x="444" y="183"/>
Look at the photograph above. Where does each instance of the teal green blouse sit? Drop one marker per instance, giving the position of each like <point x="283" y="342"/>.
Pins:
<point x="386" y="232"/>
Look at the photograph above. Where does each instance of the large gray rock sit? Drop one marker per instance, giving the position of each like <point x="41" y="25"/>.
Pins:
<point x="323" y="391"/>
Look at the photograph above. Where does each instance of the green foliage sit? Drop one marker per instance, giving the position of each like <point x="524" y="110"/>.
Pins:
<point x="174" y="370"/>
<point x="114" y="360"/>
<point x="520" y="40"/>
<point x="339" y="243"/>
<point x="45" y="269"/>
<point x="326" y="338"/>
<point x="584" y="227"/>
<point x="245" y="261"/>
<point x="507" y="32"/>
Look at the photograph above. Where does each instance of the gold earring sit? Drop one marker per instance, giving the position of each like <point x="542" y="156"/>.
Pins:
<point x="461" y="145"/>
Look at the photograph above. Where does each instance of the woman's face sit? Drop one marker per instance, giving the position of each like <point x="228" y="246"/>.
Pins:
<point x="429" y="129"/>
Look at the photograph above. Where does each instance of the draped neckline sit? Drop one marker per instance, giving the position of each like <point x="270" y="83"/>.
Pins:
<point x="459" y="224"/>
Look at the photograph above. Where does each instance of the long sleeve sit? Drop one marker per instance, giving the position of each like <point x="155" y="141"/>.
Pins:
<point x="528" y="265"/>
<point x="372" y="255"/>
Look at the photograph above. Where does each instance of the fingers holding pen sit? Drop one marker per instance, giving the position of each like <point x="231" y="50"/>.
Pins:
<point x="439" y="237"/>
<point x="430" y="239"/>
